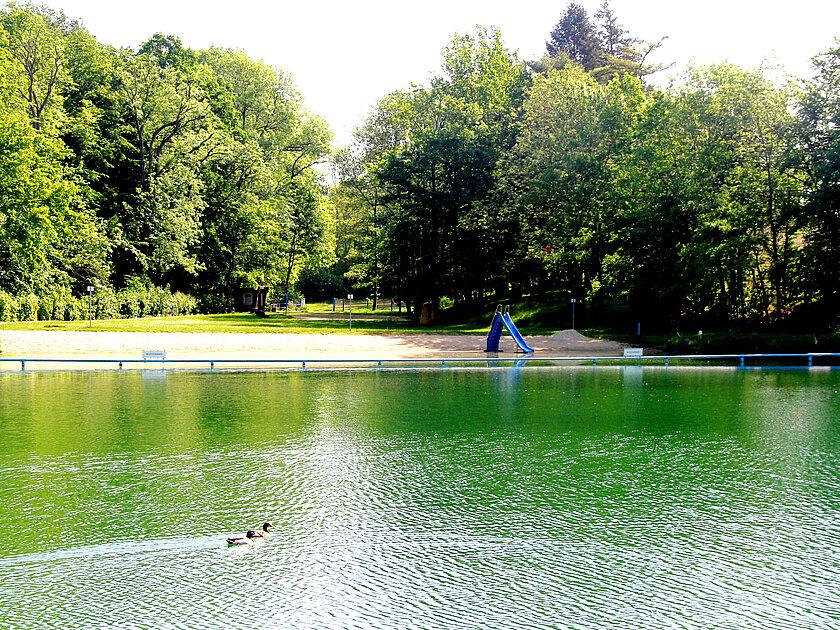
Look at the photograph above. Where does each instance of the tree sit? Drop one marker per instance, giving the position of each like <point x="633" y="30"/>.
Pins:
<point x="39" y="74"/>
<point x="265" y="217"/>
<point x="573" y="131"/>
<point x="436" y="148"/>
<point x="575" y="36"/>
<point x="819" y="128"/>
<point x="172" y="131"/>
<point x="165" y="166"/>
<point x="357" y="202"/>
<point x="47" y="236"/>
<point x="602" y="47"/>
<point x="748" y="239"/>
<point x="620" y="51"/>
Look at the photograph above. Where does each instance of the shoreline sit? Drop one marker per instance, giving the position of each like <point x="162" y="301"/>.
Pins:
<point x="255" y="347"/>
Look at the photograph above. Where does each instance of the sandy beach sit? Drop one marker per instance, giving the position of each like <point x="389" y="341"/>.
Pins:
<point x="244" y="346"/>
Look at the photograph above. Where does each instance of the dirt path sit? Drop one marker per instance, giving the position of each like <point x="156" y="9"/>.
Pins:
<point x="130" y="345"/>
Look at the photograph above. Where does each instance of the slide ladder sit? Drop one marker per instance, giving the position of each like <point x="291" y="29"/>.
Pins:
<point x="502" y="321"/>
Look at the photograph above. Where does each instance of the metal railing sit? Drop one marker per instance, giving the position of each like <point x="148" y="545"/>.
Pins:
<point x="807" y="359"/>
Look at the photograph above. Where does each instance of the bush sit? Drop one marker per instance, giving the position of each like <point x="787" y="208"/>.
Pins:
<point x="105" y="304"/>
<point x="153" y="301"/>
<point x="140" y="301"/>
<point x="186" y="304"/>
<point x="133" y="301"/>
<point x="8" y="307"/>
<point x="45" y="307"/>
<point x="73" y="309"/>
<point x="56" y="304"/>
<point x="213" y="303"/>
<point x="28" y="307"/>
<point x="130" y="303"/>
<point x="736" y="342"/>
<point x="170" y="305"/>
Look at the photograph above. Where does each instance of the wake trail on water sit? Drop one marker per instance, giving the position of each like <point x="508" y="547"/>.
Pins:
<point x="162" y="546"/>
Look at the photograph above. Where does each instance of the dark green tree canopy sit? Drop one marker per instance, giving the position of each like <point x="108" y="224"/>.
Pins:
<point x="575" y="35"/>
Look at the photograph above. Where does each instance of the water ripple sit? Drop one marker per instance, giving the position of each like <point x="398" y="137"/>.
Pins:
<point x="571" y="498"/>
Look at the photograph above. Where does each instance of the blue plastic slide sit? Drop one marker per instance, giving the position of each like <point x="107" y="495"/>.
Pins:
<point x="514" y="332"/>
<point x="495" y="333"/>
<point x="500" y="321"/>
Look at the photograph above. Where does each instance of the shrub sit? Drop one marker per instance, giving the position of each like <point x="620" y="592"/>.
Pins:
<point x="73" y="309"/>
<point x="170" y="305"/>
<point x="45" y="307"/>
<point x="54" y="305"/>
<point x="28" y="307"/>
<point x="140" y="301"/>
<point x="130" y="303"/>
<point x="8" y="307"/>
<point x="133" y="301"/>
<point x="185" y="304"/>
<point x="105" y="305"/>
<point x="213" y="303"/>
<point x="154" y="301"/>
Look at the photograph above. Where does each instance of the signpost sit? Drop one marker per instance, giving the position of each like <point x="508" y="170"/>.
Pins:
<point x="90" y="305"/>
<point x="350" y="299"/>
<point x="574" y="301"/>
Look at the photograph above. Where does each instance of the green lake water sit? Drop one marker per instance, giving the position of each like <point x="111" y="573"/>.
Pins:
<point x="510" y="498"/>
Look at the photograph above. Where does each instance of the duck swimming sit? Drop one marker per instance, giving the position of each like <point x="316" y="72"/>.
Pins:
<point x="243" y="540"/>
<point x="264" y="532"/>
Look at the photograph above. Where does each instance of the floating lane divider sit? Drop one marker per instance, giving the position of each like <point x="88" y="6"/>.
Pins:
<point x="757" y="360"/>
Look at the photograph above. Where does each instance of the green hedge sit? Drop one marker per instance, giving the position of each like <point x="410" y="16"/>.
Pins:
<point x="8" y="307"/>
<point x="106" y="304"/>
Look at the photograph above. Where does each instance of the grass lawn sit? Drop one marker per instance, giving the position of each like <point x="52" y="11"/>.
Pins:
<point x="314" y="318"/>
<point x="727" y="341"/>
<point x="248" y="323"/>
<point x="359" y="306"/>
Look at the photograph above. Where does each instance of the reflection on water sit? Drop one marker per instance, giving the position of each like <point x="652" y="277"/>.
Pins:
<point x="499" y="498"/>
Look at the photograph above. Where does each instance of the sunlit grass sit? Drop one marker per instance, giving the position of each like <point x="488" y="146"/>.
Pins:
<point x="249" y="323"/>
<point x="306" y="320"/>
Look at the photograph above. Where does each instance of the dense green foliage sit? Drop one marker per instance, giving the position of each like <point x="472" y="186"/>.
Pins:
<point x="713" y="201"/>
<point x="132" y="170"/>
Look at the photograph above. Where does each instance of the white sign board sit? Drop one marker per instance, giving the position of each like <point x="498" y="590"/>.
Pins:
<point x="634" y="352"/>
<point x="349" y="296"/>
<point x="154" y="355"/>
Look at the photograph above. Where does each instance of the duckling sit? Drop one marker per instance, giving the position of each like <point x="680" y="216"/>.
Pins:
<point x="264" y="532"/>
<point x="243" y="540"/>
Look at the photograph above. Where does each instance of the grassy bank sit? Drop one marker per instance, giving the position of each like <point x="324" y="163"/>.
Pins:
<point x="249" y="323"/>
<point x="726" y="342"/>
<point x="530" y="318"/>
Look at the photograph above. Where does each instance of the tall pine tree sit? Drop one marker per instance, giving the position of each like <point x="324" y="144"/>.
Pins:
<point x="575" y="35"/>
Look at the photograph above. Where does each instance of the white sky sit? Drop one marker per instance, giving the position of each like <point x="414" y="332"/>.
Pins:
<point x="346" y="54"/>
